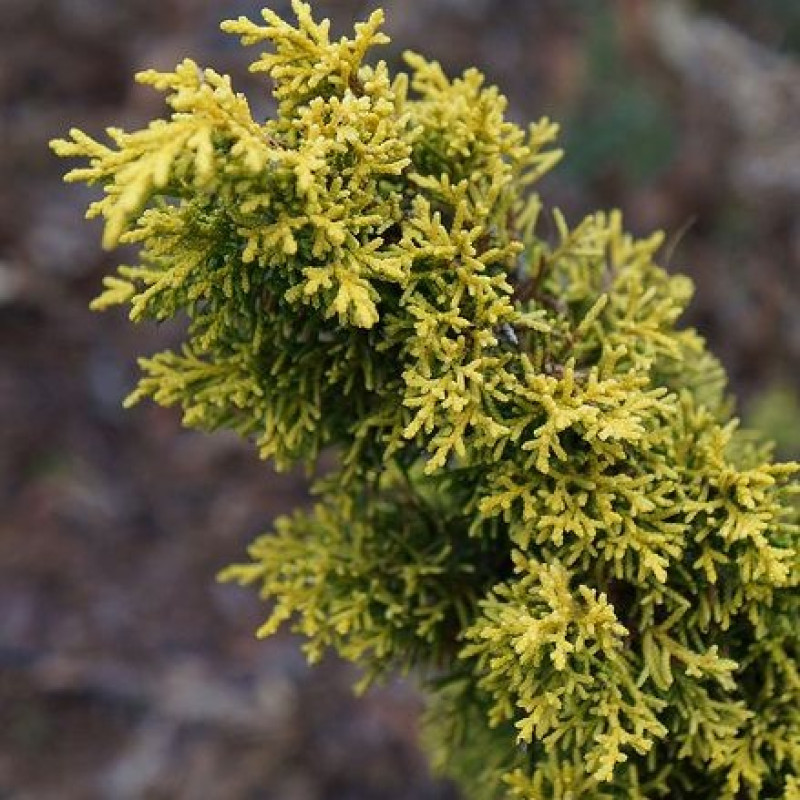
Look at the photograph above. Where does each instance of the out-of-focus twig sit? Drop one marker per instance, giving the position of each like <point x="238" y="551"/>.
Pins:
<point x="759" y="89"/>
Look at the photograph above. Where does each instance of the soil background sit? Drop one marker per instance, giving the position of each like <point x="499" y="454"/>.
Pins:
<point x="126" y="670"/>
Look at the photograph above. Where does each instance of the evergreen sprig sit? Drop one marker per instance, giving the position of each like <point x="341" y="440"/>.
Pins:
<point x="543" y="504"/>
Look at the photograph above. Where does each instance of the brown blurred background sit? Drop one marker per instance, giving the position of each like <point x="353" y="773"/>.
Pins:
<point x="125" y="670"/>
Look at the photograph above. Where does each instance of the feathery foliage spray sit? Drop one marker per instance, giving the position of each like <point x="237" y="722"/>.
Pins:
<point x="543" y="506"/>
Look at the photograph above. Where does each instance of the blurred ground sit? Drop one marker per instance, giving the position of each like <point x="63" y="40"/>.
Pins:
<point x="125" y="670"/>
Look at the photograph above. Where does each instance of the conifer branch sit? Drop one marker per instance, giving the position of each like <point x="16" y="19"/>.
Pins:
<point x="543" y="506"/>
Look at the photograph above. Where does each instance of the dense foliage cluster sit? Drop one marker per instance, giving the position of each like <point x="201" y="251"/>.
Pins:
<point x="542" y="504"/>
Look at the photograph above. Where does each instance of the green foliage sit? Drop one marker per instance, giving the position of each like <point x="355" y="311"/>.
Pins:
<point x="619" y="124"/>
<point x="776" y="413"/>
<point x="543" y="506"/>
